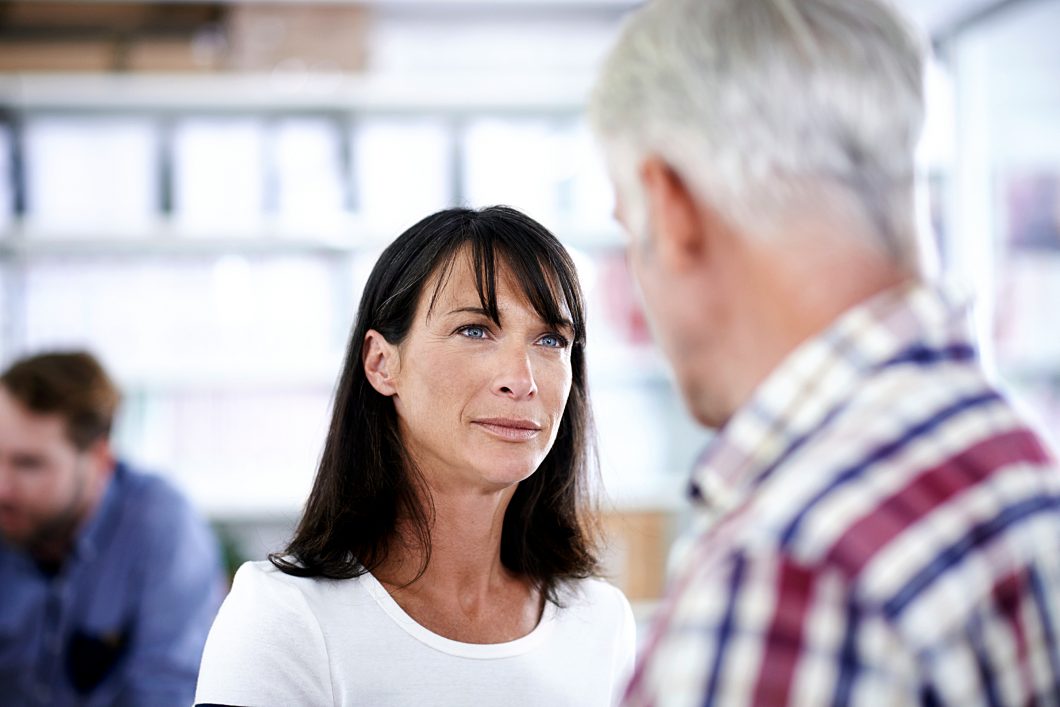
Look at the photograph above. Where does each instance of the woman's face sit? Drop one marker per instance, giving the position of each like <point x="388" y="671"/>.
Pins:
<point x="478" y="404"/>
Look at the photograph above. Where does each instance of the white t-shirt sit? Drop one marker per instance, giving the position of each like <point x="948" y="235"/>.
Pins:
<point x="283" y="640"/>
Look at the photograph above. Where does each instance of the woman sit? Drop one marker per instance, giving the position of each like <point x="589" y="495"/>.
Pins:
<point x="443" y="557"/>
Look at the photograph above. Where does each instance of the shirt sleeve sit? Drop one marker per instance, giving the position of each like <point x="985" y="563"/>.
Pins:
<point x="182" y="586"/>
<point x="265" y="648"/>
<point x="765" y="630"/>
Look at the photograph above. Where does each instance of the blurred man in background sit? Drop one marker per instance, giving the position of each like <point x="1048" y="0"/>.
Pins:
<point x="109" y="581"/>
<point x="881" y="527"/>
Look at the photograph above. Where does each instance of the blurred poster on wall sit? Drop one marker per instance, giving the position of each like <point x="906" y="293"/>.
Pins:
<point x="1027" y="328"/>
<point x="1033" y="209"/>
<point x="1028" y="335"/>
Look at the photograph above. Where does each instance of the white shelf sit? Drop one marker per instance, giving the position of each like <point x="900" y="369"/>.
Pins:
<point x="556" y="4"/>
<point x="32" y="248"/>
<point x="186" y="93"/>
<point x="29" y="243"/>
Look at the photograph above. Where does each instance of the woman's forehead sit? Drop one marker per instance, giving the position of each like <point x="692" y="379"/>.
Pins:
<point x="456" y="285"/>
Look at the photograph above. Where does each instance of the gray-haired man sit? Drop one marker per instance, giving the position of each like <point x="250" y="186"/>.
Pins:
<point x="884" y="529"/>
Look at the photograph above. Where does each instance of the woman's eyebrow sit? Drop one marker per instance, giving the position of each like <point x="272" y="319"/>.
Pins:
<point x="563" y="323"/>
<point x="567" y="327"/>
<point x="468" y="310"/>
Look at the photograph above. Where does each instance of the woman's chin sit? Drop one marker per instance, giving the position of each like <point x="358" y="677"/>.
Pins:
<point x="502" y="474"/>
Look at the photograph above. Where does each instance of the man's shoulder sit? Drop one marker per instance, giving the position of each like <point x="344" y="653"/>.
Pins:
<point x="866" y="475"/>
<point x="909" y="492"/>
<point x="151" y="493"/>
<point x="908" y="454"/>
<point x="151" y="511"/>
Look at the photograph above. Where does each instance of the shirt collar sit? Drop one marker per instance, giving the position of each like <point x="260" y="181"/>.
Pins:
<point x="92" y="535"/>
<point x="817" y="377"/>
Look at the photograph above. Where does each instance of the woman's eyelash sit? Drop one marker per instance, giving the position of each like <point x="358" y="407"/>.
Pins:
<point x="473" y="327"/>
<point x="562" y="342"/>
<point x="468" y="330"/>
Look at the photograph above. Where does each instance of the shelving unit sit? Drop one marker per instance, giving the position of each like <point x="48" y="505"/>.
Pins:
<point x="465" y="93"/>
<point x="167" y="396"/>
<point x="27" y="245"/>
<point x="228" y="342"/>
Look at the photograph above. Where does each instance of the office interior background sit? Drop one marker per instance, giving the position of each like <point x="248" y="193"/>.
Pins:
<point x="196" y="192"/>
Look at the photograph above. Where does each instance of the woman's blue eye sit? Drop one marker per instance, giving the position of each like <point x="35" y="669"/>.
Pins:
<point x="474" y="332"/>
<point x="554" y="341"/>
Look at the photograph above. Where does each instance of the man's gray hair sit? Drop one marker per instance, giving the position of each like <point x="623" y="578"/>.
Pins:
<point x="772" y="108"/>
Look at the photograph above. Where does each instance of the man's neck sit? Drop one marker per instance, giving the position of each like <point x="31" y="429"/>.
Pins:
<point x="792" y="298"/>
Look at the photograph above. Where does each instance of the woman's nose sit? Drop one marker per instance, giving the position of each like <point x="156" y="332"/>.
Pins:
<point x="515" y="377"/>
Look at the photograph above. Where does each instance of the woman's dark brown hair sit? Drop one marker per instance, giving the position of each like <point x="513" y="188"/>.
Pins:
<point x="366" y="481"/>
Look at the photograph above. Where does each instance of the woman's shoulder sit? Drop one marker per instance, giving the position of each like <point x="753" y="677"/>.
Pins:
<point x="594" y="611"/>
<point x="267" y="607"/>
<point x="263" y="573"/>
<point x="594" y="594"/>
<point x="264" y="582"/>
<point x="266" y="643"/>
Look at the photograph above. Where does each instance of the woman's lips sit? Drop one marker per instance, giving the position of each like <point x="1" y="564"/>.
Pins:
<point x="509" y="429"/>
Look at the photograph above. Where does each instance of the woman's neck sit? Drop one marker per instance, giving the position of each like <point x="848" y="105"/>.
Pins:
<point x="465" y="537"/>
<point x="465" y="592"/>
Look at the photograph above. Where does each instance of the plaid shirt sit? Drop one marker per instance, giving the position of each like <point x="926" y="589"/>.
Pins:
<point x="884" y="530"/>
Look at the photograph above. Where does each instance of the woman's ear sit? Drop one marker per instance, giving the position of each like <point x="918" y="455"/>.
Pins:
<point x="381" y="362"/>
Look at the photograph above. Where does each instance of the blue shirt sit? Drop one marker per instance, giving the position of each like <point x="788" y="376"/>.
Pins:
<point x="124" y="620"/>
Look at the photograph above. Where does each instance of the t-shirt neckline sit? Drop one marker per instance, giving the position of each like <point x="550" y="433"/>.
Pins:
<point x="481" y="651"/>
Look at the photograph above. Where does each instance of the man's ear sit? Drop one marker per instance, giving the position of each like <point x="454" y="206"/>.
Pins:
<point x="674" y="214"/>
<point x="381" y="360"/>
<point x="101" y="458"/>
